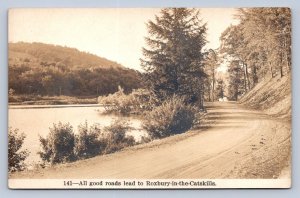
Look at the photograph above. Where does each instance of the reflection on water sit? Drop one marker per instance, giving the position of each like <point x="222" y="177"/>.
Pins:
<point x="36" y="121"/>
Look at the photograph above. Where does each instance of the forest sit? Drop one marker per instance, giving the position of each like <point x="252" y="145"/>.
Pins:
<point x="257" y="49"/>
<point x="42" y="69"/>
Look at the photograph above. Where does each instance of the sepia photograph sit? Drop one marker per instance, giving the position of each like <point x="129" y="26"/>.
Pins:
<point x="149" y="98"/>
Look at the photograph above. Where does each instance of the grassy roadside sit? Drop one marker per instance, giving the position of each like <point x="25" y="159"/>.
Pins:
<point x="272" y="96"/>
<point x="50" y="100"/>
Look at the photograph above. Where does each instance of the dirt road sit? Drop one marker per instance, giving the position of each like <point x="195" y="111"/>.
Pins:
<point x="234" y="143"/>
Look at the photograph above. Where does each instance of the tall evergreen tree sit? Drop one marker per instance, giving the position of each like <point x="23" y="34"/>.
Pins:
<point x="173" y="58"/>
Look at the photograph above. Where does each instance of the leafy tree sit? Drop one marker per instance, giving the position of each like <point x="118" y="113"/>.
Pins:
<point x="58" y="146"/>
<point x="16" y="157"/>
<point x="173" y="60"/>
<point x="235" y="80"/>
<point x="211" y="63"/>
<point x="87" y="141"/>
<point x="268" y="31"/>
<point x="234" y="46"/>
<point x="261" y="42"/>
<point x="116" y="138"/>
<point x="220" y="89"/>
<point x="49" y="84"/>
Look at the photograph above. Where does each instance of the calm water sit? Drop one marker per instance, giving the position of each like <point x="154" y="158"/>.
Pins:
<point x="35" y="121"/>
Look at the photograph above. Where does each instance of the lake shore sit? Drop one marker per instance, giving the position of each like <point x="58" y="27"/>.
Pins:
<point x="50" y="100"/>
<point x="253" y="150"/>
<point x="35" y="120"/>
<point x="14" y="106"/>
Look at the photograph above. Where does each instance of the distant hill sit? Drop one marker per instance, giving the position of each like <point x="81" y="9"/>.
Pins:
<point x="49" y="70"/>
<point x="45" y="54"/>
<point x="273" y="96"/>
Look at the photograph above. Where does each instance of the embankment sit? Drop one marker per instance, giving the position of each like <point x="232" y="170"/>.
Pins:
<point x="272" y="96"/>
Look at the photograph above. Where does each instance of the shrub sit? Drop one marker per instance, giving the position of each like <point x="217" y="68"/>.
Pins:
<point x="58" y="146"/>
<point x="11" y="92"/>
<point x="133" y="103"/>
<point x="116" y="138"/>
<point x="62" y="145"/>
<point x="171" y="117"/>
<point x="88" y="142"/>
<point x="16" y="157"/>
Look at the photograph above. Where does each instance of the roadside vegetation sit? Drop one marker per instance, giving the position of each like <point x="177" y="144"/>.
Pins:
<point x="171" y="117"/>
<point x="63" y="145"/>
<point x="174" y="75"/>
<point x="138" y="101"/>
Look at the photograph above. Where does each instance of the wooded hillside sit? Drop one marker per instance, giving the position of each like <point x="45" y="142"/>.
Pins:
<point x="47" y="54"/>
<point x="42" y="69"/>
<point x="257" y="49"/>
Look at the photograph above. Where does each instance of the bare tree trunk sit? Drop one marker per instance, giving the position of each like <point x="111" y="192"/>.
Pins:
<point x="213" y="86"/>
<point x="236" y="92"/>
<point x="236" y="86"/>
<point x="271" y="69"/>
<point x="209" y="94"/>
<point x="281" y="65"/>
<point x="288" y="64"/>
<point x="287" y="51"/>
<point x="254" y="75"/>
<point x="247" y="76"/>
<point x="245" y="82"/>
<point x="202" y="97"/>
<point x="287" y="59"/>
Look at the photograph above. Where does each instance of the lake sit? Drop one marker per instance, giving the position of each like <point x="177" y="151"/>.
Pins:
<point x="35" y="120"/>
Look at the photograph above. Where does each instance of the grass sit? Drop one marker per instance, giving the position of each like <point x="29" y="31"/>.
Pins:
<point x="273" y="96"/>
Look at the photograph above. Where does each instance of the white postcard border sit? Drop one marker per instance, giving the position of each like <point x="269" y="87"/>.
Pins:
<point x="146" y="183"/>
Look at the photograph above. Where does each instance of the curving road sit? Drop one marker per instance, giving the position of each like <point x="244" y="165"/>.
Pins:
<point x="233" y="142"/>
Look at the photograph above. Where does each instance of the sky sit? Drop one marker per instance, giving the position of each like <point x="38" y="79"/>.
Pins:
<point x="113" y="33"/>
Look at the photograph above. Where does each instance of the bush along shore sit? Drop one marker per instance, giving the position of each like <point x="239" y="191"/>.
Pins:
<point x="63" y="145"/>
<point x="161" y="119"/>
